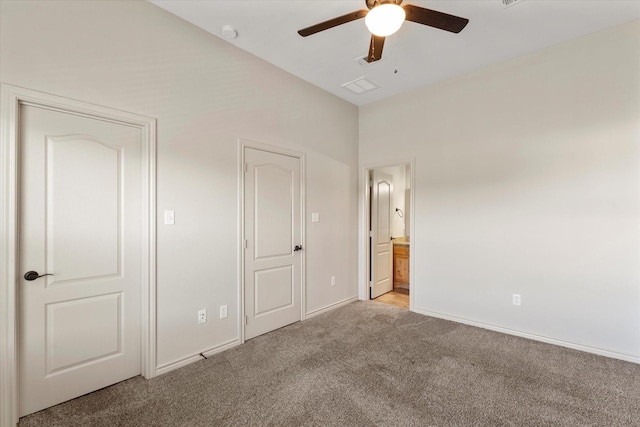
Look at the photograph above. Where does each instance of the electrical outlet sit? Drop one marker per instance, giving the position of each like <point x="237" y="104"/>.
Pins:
<point x="202" y="315"/>
<point x="333" y="280"/>
<point x="516" y="299"/>
<point x="223" y="311"/>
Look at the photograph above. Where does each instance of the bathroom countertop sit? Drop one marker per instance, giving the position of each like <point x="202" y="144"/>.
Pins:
<point x="402" y="241"/>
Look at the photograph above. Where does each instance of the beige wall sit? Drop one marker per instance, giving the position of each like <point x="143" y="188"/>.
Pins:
<point x="205" y="93"/>
<point x="527" y="181"/>
<point x="527" y="173"/>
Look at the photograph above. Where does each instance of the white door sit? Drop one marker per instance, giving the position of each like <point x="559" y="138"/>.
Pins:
<point x="80" y="221"/>
<point x="381" y="245"/>
<point x="273" y="232"/>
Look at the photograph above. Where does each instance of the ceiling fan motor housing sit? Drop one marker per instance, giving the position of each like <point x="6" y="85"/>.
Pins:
<point x="373" y="3"/>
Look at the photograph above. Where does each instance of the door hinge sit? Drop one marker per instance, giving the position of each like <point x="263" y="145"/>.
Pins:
<point x="246" y="243"/>
<point x="371" y="284"/>
<point x="370" y="233"/>
<point x="246" y="320"/>
<point x="245" y="167"/>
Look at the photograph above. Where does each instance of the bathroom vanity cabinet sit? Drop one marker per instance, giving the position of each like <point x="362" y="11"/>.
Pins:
<point x="401" y="265"/>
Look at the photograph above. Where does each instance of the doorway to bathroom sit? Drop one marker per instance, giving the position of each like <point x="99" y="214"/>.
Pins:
<point x="388" y="223"/>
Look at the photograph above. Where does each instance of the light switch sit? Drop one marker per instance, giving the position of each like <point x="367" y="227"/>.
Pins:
<point x="169" y="217"/>
<point x="315" y="217"/>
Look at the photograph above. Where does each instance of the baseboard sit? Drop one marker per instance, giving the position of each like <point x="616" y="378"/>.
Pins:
<point x="168" y="367"/>
<point x="330" y="307"/>
<point x="541" y="338"/>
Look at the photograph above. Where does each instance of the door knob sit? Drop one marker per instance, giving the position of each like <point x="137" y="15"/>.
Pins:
<point x="33" y="275"/>
<point x="297" y="248"/>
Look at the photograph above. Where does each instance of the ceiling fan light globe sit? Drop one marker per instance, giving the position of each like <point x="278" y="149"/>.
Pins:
<point x="385" y="19"/>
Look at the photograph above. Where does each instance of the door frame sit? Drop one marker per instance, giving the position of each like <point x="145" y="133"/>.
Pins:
<point x="242" y="144"/>
<point x="12" y="97"/>
<point x="364" y="260"/>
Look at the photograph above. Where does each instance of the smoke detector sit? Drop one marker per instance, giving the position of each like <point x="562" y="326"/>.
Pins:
<point x="228" y="32"/>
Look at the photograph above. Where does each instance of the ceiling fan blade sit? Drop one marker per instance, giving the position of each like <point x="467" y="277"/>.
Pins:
<point x="332" y="23"/>
<point x="375" y="48"/>
<point x="435" y="19"/>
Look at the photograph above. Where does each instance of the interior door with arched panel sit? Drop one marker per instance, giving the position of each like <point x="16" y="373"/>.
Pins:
<point x="381" y="243"/>
<point x="273" y="241"/>
<point x="80" y="234"/>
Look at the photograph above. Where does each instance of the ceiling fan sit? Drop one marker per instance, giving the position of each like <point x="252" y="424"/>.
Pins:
<point x="385" y="17"/>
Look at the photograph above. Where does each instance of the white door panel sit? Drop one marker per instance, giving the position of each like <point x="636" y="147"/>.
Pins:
<point x="273" y="269"/>
<point x="80" y="220"/>
<point x="101" y="317"/>
<point x="273" y="210"/>
<point x="382" y="247"/>
<point x="98" y="215"/>
<point x="273" y="290"/>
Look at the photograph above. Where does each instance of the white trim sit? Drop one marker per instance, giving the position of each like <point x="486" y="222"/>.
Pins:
<point x="241" y="244"/>
<point x="540" y="338"/>
<point x="149" y="295"/>
<point x="246" y="143"/>
<point x="363" y="253"/>
<point x="331" y="307"/>
<point x="172" y="366"/>
<point x="12" y="98"/>
<point x="8" y="252"/>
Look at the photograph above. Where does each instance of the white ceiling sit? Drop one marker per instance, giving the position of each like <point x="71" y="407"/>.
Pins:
<point x="420" y="54"/>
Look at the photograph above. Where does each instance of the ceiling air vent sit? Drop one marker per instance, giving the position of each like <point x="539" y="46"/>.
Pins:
<point x="507" y="3"/>
<point x="360" y="85"/>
